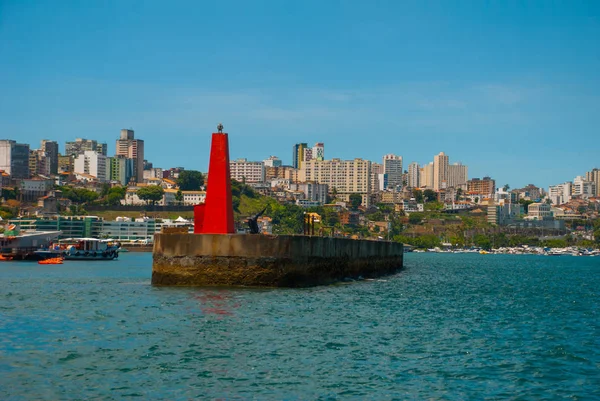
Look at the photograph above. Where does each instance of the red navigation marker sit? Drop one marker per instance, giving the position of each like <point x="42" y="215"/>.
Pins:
<point x="216" y="215"/>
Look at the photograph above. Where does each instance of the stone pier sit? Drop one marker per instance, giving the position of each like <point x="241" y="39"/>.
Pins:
<point x="181" y="259"/>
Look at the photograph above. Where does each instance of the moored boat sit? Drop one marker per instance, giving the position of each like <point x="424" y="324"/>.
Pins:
<point x="89" y="249"/>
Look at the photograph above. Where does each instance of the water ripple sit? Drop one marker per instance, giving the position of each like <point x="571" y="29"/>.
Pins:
<point x="452" y="327"/>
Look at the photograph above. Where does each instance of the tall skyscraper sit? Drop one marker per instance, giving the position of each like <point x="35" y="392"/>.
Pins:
<point x="50" y="148"/>
<point x="440" y="171"/>
<point x="392" y="166"/>
<point x="413" y="175"/>
<point x="457" y="176"/>
<point x="298" y="154"/>
<point x="132" y="148"/>
<point x="14" y="158"/>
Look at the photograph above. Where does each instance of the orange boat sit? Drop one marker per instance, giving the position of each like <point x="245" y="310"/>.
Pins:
<point x="7" y="258"/>
<point x="51" y="261"/>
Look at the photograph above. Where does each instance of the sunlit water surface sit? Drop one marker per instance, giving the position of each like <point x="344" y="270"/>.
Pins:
<point x="449" y="326"/>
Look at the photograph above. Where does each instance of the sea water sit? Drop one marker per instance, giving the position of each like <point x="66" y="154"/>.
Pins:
<point x="448" y="326"/>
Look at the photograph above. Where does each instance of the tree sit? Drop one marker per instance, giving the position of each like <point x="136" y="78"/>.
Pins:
<point x="429" y="195"/>
<point x="190" y="180"/>
<point x="151" y="193"/>
<point x="114" y="195"/>
<point x="179" y="196"/>
<point x="415" y="218"/>
<point x="506" y="187"/>
<point x="418" y="195"/>
<point x="355" y="201"/>
<point x="458" y="194"/>
<point x="526" y="204"/>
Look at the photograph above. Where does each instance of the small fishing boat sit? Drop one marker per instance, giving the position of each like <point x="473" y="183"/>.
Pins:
<point x="5" y="258"/>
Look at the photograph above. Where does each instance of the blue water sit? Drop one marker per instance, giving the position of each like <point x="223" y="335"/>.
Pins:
<point x="449" y="326"/>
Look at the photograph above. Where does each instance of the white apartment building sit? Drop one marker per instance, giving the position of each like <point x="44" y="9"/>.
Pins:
<point x="392" y="166"/>
<point x="584" y="189"/>
<point x="560" y="193"/>
<point x="414" y="175"/>
<point x="346" y="177"/>
<point x="92" y="163"/>
<point x="312" y="191"/>
<point x="440" y="171"/>
<point x="244" y="171"/>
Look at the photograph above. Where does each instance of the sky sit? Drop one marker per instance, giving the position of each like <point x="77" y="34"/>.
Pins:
<point x="509" y="88"/>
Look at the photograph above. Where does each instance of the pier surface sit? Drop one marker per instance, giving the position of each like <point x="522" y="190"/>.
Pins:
<point x="181" y="259"/>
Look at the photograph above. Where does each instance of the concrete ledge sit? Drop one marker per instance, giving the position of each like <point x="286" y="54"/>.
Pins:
<point x="268" y="261"/>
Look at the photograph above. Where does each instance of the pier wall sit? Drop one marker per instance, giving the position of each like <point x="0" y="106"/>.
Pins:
<point x="268" y="261"/>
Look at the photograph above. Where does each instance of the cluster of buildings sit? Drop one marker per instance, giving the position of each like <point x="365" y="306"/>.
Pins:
<point x="85" y="159"/>
<point x="311" y="177"/>
<point x="310" y="180"/>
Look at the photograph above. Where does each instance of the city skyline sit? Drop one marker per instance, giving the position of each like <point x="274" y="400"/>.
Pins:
<point x="509" y="90"/>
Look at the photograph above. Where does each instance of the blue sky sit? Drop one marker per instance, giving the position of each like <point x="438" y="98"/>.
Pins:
<point x="512" y="89"/>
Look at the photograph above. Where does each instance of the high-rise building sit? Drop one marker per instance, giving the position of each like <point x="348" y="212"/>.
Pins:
<point x="102" y="148"/>
<point x="272" y="161"/>
<point x="79" y="146"/>
<point x="346" y="177"/>
<point x="486" y="187"/>
<point x="560" y="193"/>
<point x="318" y="151"/>
<point x="298" y="154"/>
<point x="457" y="176"/>
<point x="120" y="169"/>
<point x="132" y="148"/>
<point x="244" y="171"/>
<point x="92" y="163"/>
<point x="594" y="176"/>
<point x="65" y="164"/>
<point x="14" y="158"/>
<point x="392" y="166"/>
<point x="413" y="175"/>
<point x="50" y="148"/>
<point x="426" y="176"/>
<point x="39" y="164"/>
<point x="440" y="171"/>
<point x="583" y="188"/>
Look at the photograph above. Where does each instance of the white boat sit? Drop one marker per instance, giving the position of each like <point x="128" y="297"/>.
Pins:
<point x="89" y="249"/>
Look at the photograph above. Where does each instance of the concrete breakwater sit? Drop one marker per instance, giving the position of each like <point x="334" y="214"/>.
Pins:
<point x="268" y="261"/>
